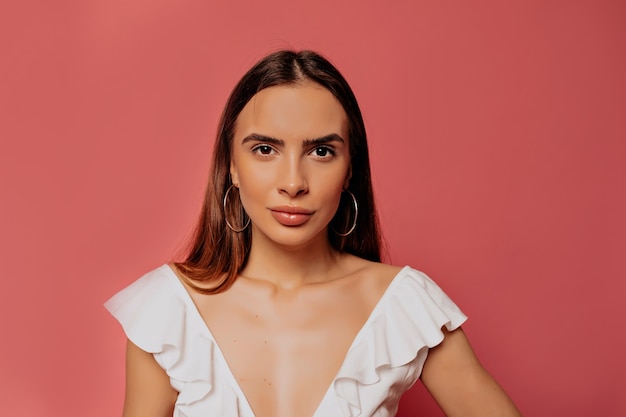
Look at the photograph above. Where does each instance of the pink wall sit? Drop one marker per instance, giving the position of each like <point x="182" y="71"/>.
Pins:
<point x="497" y="132"/>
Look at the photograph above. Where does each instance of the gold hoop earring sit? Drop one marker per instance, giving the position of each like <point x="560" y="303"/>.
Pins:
<point x="356" y="214"/>
<point x="230" y="226"/>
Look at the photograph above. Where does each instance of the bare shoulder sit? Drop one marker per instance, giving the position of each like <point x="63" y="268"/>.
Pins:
<point x="371" y="278"/>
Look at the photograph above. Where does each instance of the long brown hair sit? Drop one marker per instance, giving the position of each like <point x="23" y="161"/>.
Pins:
<point x="217" y="253"/>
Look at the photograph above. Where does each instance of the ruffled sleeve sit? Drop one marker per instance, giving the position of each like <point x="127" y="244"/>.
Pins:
<point x="157" y="316"/>
<point x="388" y="354"/>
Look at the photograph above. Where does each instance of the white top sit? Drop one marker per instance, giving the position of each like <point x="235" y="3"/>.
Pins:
<point x="384" y="360"/>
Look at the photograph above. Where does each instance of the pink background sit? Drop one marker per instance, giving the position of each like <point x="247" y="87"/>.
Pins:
<point x="498" y="140"/>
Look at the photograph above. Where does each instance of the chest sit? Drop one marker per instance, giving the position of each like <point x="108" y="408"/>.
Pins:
<point x="285" y="351"/>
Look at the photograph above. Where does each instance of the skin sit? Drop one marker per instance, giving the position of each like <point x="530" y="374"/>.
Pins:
<point x="291" y="149"/>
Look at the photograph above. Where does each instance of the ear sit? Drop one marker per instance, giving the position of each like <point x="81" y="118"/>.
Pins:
<point x="234" y="176"/>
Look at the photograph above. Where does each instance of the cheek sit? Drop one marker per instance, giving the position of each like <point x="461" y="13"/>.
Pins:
<point x="251" y="175"/>
<point x="333" y="180"/>
<point x="331" y="190"/>
<point x="254" y="186"/>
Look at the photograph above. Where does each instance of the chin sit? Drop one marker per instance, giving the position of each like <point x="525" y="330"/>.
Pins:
<point x="294" y="236"/>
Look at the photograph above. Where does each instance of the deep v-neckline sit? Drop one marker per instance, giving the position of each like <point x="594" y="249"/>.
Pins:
<point x="220" y="355"/>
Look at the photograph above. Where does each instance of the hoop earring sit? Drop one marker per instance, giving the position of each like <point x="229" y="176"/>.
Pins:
<point x="356" y="214"/>
<point x="230" y="226"/>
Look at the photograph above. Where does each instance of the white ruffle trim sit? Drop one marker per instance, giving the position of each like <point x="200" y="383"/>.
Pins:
<point x="159" y="321"/>
<point x="158" y="316"/>
<point x="405" y="324"/>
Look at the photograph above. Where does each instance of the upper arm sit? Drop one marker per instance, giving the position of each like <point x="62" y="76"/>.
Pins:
<point x="148" y="389"/>
<point x="458" y="382"/>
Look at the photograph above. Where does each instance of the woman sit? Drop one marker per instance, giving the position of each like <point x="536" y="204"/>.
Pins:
<point x="285" y="271"/>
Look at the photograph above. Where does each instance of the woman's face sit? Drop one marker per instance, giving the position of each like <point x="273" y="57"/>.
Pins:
<point x="291" y="161"/>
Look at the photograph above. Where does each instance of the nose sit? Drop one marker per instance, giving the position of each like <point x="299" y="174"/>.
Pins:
<point x="292" y="177"/>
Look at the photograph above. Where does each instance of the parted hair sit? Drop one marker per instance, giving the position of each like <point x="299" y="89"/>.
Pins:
<point x="216" y="253"/>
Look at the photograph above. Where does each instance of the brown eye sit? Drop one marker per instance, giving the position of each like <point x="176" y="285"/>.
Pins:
<point x="323" y="152"/>
<point x="263" y="150"/>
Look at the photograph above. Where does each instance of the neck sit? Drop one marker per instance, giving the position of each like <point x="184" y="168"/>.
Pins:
<point x="289" y="267"/>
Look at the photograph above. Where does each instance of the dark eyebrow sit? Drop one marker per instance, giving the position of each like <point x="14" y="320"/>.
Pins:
<point x="333" y="137"/>
<point x="255" y="137"/>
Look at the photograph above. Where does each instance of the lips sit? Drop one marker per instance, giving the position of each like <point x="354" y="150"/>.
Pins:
<point x="291" y="216"/>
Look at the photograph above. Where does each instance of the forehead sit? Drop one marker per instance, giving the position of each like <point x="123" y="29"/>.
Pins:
<point x="296" y="111"/>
